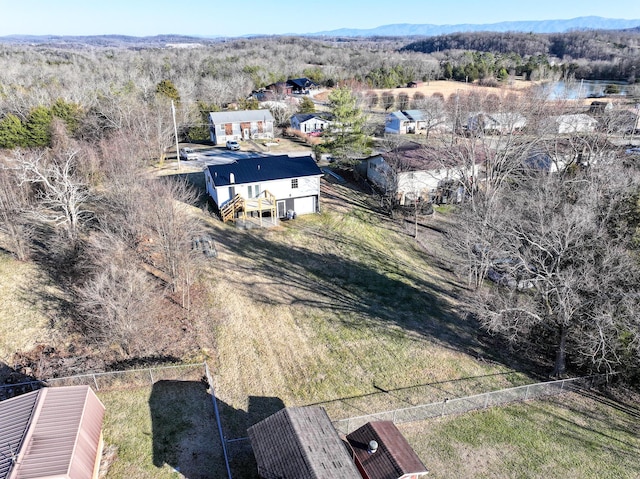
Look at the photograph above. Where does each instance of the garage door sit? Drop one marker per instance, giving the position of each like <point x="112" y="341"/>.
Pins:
<point x="302" y="206"/>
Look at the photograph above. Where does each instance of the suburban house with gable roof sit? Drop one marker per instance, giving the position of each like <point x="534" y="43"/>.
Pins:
<point x="265" y="185"/>
<point x="240" y="125"/>
<point x="51" y="433"/>
<point x="501" y="123"/>
<point x="380" y="451"/>
<point x="571" y="123"/>
<point x="413" y="122"/>
<point x="300" y="443"/>
<point x="415" y="173"/>
<point x="301" y="85"/>
<point x="310" y="122"/>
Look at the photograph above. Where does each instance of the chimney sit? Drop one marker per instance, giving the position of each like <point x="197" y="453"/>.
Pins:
<point x="232" y="178"/>
<point x="373" y="447"/>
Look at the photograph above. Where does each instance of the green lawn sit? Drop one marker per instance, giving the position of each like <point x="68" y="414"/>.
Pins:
<point x="568" y="436"/>
<point x="158" y="431"/>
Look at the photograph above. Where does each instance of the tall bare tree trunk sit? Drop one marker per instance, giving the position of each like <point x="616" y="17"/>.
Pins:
<point x="561" y="354"/>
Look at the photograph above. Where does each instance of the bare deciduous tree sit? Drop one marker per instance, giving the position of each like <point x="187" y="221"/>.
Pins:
<point x="116" y="300"/>
<point x="173" y="230"/>
<point x="61" y="193"/>
<point x="15" y="205"/>
<point x="561" y="275"/>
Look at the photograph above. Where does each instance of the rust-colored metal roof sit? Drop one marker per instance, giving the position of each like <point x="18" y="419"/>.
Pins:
<point x="394" y="458"/>
<point x="61" y="436"/>
<point x="300" y="443"/>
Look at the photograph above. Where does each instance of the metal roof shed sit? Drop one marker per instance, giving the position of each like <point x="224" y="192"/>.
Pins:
<point x="51" y="433"/>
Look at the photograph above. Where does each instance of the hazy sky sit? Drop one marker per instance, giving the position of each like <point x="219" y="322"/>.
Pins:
<point x="241" y="17"/>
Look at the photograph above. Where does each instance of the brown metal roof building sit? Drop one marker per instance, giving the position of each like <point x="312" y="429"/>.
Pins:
<point x="51" y="433"/>
<point x="394" y="457"/>
<point x="300" y="443"/>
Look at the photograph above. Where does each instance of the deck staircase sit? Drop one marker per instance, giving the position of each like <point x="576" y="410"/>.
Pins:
<point x="229" y="210"/>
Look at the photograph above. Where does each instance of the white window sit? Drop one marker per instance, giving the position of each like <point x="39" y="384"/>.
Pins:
<point x="294" y="183"/>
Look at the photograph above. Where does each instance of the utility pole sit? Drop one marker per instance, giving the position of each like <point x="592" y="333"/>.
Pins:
<point x="175" y="131"/>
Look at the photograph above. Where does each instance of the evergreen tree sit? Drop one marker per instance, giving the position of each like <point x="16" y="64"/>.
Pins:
<point x="168" y="89"/>
<point x="12" y="132"/>
<point x="306" y="105"/>
<point x="67" y="112"/>
<point x="39" y="127"/>
<point x="348" y="140"/>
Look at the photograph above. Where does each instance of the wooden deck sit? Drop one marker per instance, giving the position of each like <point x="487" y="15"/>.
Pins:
<point x="238" y="207"/>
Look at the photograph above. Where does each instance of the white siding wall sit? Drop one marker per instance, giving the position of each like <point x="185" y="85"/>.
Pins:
<point x="303" y="206"/>
<point x="281" y="189"/>
<point x="379" y="173"/>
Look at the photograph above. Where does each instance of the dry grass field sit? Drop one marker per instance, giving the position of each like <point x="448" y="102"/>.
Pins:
<point x="27" y="305"/>
<point x="333" y="306"/>
<point x="450" y="87"/>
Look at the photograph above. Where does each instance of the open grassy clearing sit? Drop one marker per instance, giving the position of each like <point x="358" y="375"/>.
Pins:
<point x="332" y="308"/>
<point x="569" y="436"/>
<point x="27" y="300"/>
<point x="155" y="431"/>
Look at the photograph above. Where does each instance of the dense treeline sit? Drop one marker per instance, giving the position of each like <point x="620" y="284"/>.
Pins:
<point x="604" y="55"/>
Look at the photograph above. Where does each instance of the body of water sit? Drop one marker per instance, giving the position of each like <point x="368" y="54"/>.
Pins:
<point x="573" y="90"/>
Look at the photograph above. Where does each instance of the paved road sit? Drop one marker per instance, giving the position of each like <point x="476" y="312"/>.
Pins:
<point x="220" y="156"/>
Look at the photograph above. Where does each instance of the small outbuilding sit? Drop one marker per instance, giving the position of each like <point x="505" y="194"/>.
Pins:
<point x="51" y="433"/>
<point x="380" y="451"/>
<point x="300" y="443"/>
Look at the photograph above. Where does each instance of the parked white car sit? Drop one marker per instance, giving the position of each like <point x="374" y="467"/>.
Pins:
<point x="188" y="154"/>
<point x="233" y="145"/>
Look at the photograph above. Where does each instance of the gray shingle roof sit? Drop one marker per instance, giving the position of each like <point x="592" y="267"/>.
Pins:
<point x="240" y="115"/>
<point x="300" y="443"/>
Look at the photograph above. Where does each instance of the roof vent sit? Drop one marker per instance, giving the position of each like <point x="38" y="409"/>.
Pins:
<point x="373" y="447"/>
<point x="232" y="178"/>
<point x="258" y="167"/>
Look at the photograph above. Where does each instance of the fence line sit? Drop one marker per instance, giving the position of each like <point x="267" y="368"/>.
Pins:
<point x="223" y="441"/>
<point x="103" y="380"/>
<point x="470" y="403"/>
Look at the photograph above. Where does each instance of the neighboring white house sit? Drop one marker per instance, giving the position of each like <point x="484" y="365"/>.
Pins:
<point x="240" y="125"/>
<point x="506" y="122"/>
<point x="310" y="122"/>
<point x="414" y="173"/>
<point x="276" y="183"/>
<point x="576" y="123"/>
<point x="414" y="122"/>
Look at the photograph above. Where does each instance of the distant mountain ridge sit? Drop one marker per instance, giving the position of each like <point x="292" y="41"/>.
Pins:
<point x="534" y="26"/>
